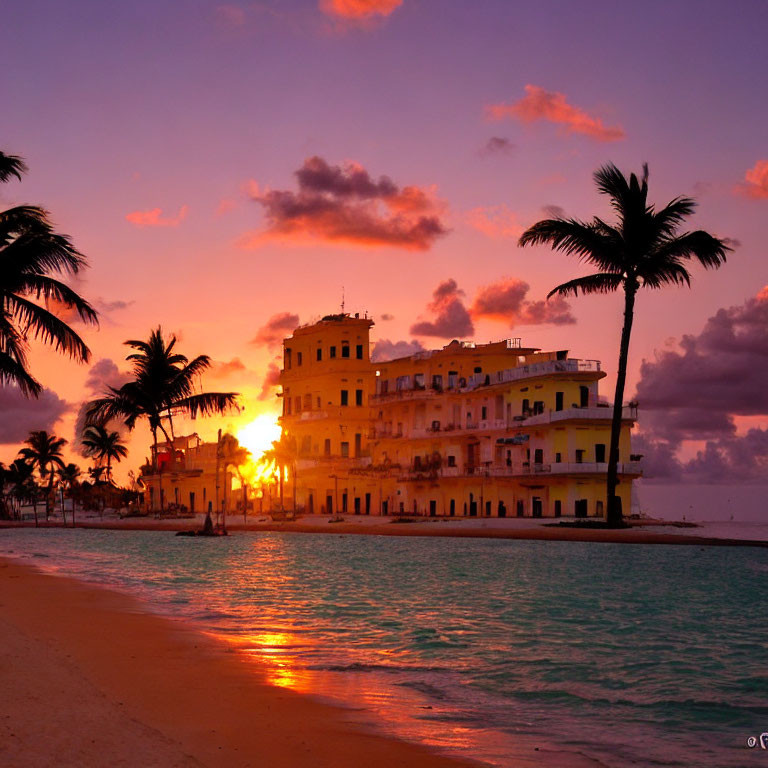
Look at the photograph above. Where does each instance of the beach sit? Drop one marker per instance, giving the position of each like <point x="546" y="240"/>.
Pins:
<point x="91" y="679"/>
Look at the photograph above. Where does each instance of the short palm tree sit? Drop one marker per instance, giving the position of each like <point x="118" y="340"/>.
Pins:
<point x="644" y="249"/>
<point x="32" y="257"/>
<point x="104" y="446"/>
<point x="163" y="385"/>
<point x="21" y="478"/>
<point x="68" y="478"/>
<point x="43" y="451"/>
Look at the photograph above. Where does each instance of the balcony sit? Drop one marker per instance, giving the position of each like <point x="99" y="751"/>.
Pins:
<point x="600" y="413"/>
<point x="521" y="470"/>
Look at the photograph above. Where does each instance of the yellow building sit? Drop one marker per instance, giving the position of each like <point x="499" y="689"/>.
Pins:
<point x="477" y="430"/>
<point x="190" y="478"/>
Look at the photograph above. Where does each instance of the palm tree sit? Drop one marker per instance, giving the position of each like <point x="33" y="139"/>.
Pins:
<point x="69" y="477"/>
<point x="22" y="481"/>
<point x="31" y="256"/>
<point x="104" y="445"/>
<point x="644" y="249"/>
<point x="163" y="385"/>
<point x="43" y="451"/>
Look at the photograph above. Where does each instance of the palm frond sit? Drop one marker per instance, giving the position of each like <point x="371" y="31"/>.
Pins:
<point x="207" y="403"/>
<point x="573" y="237"/>
<point x="602" y="282"/>
<point x="11" y="165"/>
<point x="42" y="252"/>
<point x="46" y="326"/>
<point x="13" y="371"/>
<point x="711" y="252"/>
<point x="48" y="287"/>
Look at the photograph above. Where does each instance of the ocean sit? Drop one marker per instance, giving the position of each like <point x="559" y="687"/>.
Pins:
<point x="626" y="654"/>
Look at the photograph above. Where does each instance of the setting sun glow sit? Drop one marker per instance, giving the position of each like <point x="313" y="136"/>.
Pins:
<point x="259" y="435"/>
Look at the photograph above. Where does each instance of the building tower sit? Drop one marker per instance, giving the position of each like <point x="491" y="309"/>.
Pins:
<point x="327" y="380"/>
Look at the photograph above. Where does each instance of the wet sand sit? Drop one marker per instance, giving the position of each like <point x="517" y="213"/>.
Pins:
<point x="90" y="679"/>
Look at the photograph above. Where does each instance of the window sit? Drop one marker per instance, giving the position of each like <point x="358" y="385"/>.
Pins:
<point x="287" y="358"/>
<point x="327" y="447"/>
<point x="437" y="382"/>
<point x="287" y="405"/>
<point x="345" y="349"/>
<point x="538" y="456"/>
<point x="345" y="397"/>
<point x="558" y="458"/>
<point x="297" y="404"/>
<point x="526" y="407"/>
<point x="319" y="352"/>
<point x="600" y="453"/>
<point x="332" y="352"/>
<point x="451" y="461"/>
<point x="358" y="444"/>
<point x="359" y="351"/>
<point x="358" y="397"/>
<point x="559" y="401"/>
<point x="579" y="456"/>
<point x="418" y="381"/>
<point x="484" y="413"/>
<point x="478" y="369"/>
<point x="307" y="402"/>
<point x="298" y="358"/>
<point x="558" y="508"/>
<point x="345" y="449"/>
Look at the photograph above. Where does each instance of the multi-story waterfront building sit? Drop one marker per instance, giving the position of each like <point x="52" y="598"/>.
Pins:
<point x="470" y="429"/>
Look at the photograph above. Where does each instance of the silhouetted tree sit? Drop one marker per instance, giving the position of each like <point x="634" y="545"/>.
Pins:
<point x="43" y="451"/>
<point x="644" y="249"/>
<point x="32" y="257"/>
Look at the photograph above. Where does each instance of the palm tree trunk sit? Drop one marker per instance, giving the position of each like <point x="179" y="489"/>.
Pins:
<point x="613" y="510"/>
<point x="48" y="495"/>
<point x="157" y="469"/>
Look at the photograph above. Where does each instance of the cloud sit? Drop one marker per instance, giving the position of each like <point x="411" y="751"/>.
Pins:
<point x="497" y="145"/>
<point x="223" y="370"/>
<point x="696" y="391"/>
<point x="271" y="381"/>
<point x="756" y="179"/>
<point x="225" y="205"/>
<point x="385" y="350"/>
<point x="452" y="320"/>
<point x="386" y="317"/>
<point x="506" y="300"/>
<point x="154" y="218"/>
<point x="22" y="416"/>
<point x="102" y="375"/>
<point x="358" y="10"/>
<point x="497" y="222"/>
<point x="538" y="104"/>
<point x="276" y="329"/>
<point x="344" y="204"/>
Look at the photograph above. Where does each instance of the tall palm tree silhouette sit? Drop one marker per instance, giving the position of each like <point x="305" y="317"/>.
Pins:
<point x="32" y="257"/>
<point x="644" y="249"/>
<point x="43" y="451"/>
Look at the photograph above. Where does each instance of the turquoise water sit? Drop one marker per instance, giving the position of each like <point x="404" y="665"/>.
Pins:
<point x="628" y="654"/>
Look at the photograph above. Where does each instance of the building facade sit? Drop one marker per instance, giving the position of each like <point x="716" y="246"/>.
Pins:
<point x="492" y="430"/>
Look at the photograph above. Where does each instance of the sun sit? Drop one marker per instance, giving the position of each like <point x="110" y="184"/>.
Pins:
<point x="259" y="435"/>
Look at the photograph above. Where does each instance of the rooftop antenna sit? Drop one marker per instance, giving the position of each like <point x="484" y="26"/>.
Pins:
<point x="342" y="299"/>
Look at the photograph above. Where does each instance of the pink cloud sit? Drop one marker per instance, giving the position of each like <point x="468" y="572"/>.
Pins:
<point x="496" y="222"/>
<point x="507" y="301"/>
<point x="358" y="9"/>
<point x="271" y="381"/>
<point x="276" y="329"/>
<point x="538" y="104"/>
<point x="344" y="204"/>
<point x="155" y="218"/>
<point x="225" y="205"/>
<point x="756" y="179"/>
<point x="451" y="318"/>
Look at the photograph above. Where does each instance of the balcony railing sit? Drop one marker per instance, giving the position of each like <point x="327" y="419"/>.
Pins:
<point x="600" y="413"/>
<point x="517" y="469"/>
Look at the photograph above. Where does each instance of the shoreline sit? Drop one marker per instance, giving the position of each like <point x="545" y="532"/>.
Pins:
<point x="91" y="678"/>
<point x="544" y="529"/>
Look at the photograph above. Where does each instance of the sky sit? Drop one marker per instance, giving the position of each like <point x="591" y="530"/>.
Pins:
<point x="230" y="169"/>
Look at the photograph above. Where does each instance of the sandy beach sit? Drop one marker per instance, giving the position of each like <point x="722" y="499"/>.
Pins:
<point x="91" y="679"/>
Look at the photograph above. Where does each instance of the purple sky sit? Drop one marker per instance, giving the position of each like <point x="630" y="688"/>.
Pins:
<point x="481" y="114"/>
